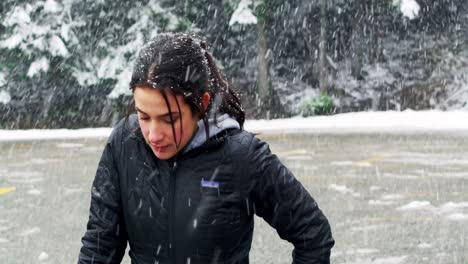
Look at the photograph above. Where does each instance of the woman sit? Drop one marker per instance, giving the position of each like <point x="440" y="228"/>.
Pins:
<point x="181" y="180"/>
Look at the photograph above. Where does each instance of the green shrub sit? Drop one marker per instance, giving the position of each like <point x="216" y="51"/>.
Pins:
<point x="320" y="105"/>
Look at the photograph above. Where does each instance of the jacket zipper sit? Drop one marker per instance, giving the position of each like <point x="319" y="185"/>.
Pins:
<point x="172" y="212"/>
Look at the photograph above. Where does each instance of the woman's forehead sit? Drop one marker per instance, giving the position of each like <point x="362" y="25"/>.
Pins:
<point x="151" y="101"/>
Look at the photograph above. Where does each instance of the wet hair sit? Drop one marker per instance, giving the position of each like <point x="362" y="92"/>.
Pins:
<point x="180" y="64"/>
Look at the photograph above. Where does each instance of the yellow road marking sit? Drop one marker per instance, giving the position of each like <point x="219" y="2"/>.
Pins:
<point x="6" y="190"/>
<point x="373" y="159"/>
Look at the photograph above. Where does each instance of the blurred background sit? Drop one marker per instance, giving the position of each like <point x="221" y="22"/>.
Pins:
<point x="67" y="63"/>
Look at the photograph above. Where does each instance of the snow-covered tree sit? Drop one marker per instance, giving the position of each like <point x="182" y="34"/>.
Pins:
<point x="61" y="53"/>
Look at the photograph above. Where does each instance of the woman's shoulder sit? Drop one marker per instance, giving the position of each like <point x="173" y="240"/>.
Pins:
<point x="243" y="143"/>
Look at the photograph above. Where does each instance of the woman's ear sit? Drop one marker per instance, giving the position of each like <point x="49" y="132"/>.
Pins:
<point x="206" y="101"/>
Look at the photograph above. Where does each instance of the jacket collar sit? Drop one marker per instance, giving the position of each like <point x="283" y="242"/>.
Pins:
<point x="222" y="123"/>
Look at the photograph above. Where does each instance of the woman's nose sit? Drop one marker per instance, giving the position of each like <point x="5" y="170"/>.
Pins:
<point x="155" y="133"/>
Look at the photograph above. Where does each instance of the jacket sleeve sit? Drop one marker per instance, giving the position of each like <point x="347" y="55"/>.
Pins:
<point x="105" y="239"/>
<point x="287" y="206"/>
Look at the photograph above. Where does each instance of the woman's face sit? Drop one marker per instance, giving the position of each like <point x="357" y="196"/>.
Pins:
<point x="155" y="121"/>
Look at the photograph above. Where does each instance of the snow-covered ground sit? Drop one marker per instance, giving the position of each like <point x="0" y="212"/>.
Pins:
<point x="361" y="122"/>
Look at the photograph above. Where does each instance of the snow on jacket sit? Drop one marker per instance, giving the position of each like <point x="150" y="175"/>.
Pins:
<point x="200" y="208"/>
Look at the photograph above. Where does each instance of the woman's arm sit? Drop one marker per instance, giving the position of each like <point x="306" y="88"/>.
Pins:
<point x="105" y="239"/>
<point x="287" y="206"/>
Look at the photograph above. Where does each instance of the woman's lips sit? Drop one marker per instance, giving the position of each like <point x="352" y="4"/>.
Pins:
<point x="160" y="148"/>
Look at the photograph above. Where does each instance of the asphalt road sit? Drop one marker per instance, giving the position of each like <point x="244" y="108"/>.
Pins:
<point x="389" y="198"/>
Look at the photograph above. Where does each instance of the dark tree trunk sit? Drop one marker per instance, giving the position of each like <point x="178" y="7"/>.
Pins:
<point x="356" y="36"/>
<point x="263" y="77"/>
<point x="323" y="79"/>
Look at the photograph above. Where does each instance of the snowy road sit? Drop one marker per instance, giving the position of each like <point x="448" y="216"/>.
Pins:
<point x="390" y="198"/>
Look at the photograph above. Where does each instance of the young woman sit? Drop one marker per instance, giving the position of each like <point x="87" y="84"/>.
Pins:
<point x="180" y="180"/>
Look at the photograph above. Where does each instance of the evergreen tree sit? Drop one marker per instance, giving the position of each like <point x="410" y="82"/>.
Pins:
<point x="66" y="59"/>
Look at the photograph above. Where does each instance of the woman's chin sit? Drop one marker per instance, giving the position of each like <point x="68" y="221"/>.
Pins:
<point x="163" y="155"/>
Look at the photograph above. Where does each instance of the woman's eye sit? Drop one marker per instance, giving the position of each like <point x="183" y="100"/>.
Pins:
<point x="144" y="118"/>
<point x="169" y="121"/>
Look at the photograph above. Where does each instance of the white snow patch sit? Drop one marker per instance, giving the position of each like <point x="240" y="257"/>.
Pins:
<point x="342" y="163"/>
<point x="69" y="145"/>
<point x="295" y="152"/>
<point x="409" y="8"/>
<point x="375" y="188"/>
<point x="18" y="16"/>
<point x="366" y="122"/>
<point x="85" y="78"/>
<point x="11" y="42"/>
<point x="38" y="65"/>
<point x="30" y="231"/>
<point x="379" y="202"/>
<point x="369" y="227"/>
<point x="462" y="175"/>
<point x="243" y="14"/>
<point x="361" y="251"/>
<point x="38" y="134"/>
<point x="361" y="122"/>
<point x="399" y="176"/>
<point x="430" y="159"/>
<point x="457" y="217"/>
<point x="343" y="189"/>
<point x="121" y="87"/>
<point x="299" y="157"/>
<point x="362" y="164"/>
<point x="4" y="228"/>
<point x="40" y="43"/>
<point x="65" y="31"/>
<point x="340" y="188"/>
<point x="365" y="251"/>
<point x="57" y="47"/>
<point x="424" y="245"/>
<point x="24" y="177"/>
<point x="392" y="197"/>
<point x="389" y="260"/>
<point x="50" y="6"/>
<point x="451" y="211"/>
<point x="416" y="205"/>
<point x="5" y="97"/>
<point x="442" y="255"/>
<point x="25" y="180"/>
<point x="43" y="256"/>
<point x="451" y="207"/>
<point x="40" y="161"/>
<point x="34" y="192"/>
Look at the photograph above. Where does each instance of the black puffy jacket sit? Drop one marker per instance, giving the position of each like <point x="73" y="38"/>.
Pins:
<point x="199" y="208"/>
